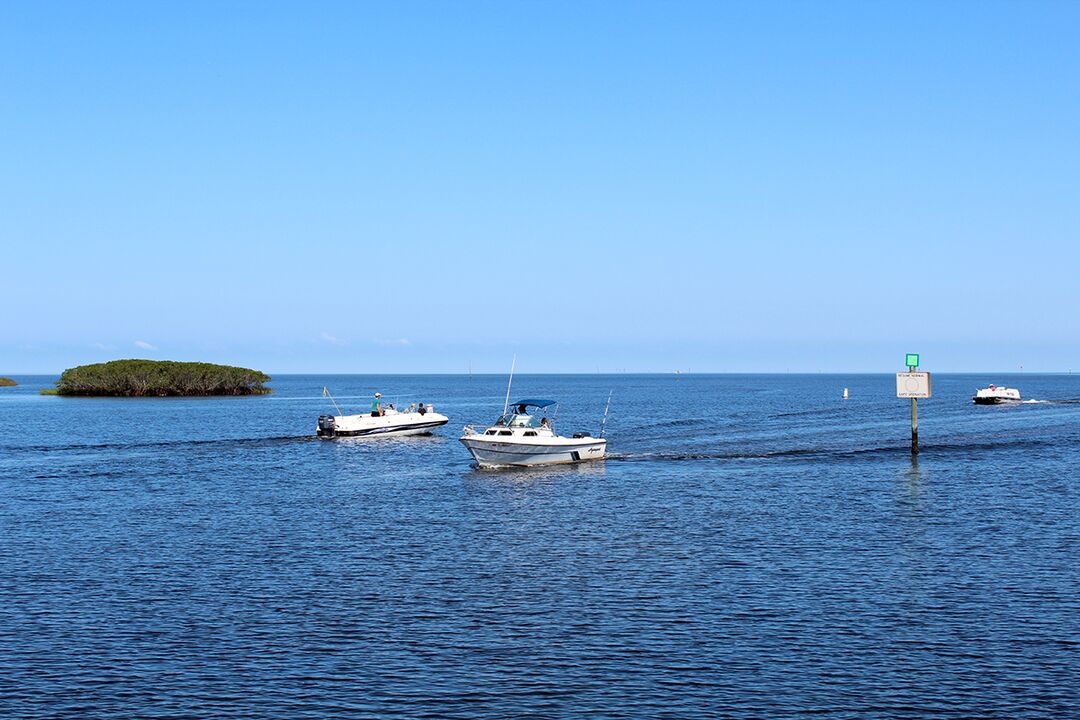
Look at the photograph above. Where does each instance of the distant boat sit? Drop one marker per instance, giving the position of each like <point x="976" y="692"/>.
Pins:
<point x="845" y="394"/>
<point x="995" y="395"/>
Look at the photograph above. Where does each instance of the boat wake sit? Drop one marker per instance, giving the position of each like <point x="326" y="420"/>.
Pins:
<point x="221" y="442"/>
<point x="681" y="422"/>
<point x="695" y="456"/>
<point x="829" y="453"/>
<point x="1061" y="401"/>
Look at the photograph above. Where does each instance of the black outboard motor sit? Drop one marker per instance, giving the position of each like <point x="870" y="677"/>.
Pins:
<point x="326" y="426"/>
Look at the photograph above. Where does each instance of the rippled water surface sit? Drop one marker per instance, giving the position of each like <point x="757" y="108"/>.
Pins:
<point x="754" y="547"/>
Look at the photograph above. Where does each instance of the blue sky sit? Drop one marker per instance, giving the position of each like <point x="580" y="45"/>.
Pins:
<point x="423" y="187"/>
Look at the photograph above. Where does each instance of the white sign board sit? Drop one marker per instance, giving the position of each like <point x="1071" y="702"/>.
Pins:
<point x="913" y="385"/>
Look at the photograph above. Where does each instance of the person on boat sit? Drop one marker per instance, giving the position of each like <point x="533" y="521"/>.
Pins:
<point x="544" y="424"/>
<point x="376" y="405"/>
<point x="421" y="408"/>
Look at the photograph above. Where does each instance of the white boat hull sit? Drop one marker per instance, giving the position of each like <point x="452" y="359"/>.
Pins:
<point x="993" y="400"/>
<point x="490" y="452"/>
<point x="995" y="395"/>
<point x="389" y="425"/>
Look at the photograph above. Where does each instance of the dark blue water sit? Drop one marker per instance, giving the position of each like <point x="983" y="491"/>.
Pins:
<point x="755" y="547"/>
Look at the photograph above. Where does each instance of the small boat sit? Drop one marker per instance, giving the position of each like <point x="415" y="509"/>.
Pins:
<point x="518" y="439"/>
<point x="390" y="424"/>
<point x="995" y="395"/>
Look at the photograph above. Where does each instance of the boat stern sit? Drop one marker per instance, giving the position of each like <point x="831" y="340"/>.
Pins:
<point x="326" y="427"/>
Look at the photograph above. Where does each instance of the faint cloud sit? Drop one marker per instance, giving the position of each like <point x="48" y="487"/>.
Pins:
<point x="143" y="345"/>
<point x="399" y="341"/>
<point x="327" y="337"/>
<point x="103" y="346"/>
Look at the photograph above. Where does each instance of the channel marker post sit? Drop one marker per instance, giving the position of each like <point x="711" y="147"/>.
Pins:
<point x="913" y="384"/>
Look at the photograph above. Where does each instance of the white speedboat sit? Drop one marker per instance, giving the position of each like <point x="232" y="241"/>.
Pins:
<point x="390" y="423"/>
<point x="519" y="438"/>
<point x="995" y="395"/>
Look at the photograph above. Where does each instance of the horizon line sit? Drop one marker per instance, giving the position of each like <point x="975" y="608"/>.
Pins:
<point x="623" y="372"/>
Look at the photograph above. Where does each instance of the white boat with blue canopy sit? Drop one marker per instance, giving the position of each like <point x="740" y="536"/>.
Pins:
<point x="520" y="438"/>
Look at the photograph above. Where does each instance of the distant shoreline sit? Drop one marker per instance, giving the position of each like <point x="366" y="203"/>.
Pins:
<point x="159" y="378"/>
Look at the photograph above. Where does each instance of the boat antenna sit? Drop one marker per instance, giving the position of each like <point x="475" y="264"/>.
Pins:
<point x="506" y="405"/>
<point x="603" y="423"/>
<point x="326" y="393"/>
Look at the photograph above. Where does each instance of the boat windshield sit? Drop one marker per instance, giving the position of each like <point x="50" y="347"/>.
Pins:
<point x="522" y="421"/>
<point x="518" y="417"/>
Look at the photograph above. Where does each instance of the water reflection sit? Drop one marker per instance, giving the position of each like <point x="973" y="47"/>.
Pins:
<point x="914" y="478"/>
<point x="538" y="474"/>
<point x="911" y="500"/>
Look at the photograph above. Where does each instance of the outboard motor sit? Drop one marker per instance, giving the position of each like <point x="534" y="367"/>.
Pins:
<point x="326" y="426"/>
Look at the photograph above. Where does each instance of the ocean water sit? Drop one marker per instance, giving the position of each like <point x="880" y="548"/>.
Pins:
<point x="754" y="547"/>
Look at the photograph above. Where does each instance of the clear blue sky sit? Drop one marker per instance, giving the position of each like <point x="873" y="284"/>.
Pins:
<point x="643" y="186"/>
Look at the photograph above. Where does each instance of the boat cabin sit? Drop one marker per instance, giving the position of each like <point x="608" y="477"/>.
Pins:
<point x="521" y="420"/>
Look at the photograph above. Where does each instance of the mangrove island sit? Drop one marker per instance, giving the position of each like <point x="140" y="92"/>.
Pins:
<point x="7" y="382"/>
<point x="159" y="378"/>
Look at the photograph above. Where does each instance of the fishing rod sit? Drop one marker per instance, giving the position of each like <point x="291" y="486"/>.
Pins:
<point x="506" y="405"/>
<point x="326" y="393"/>
<point x="603" y="423"/>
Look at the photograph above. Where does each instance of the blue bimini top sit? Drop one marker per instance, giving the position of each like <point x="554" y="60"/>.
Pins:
<point x="532" y="402"/>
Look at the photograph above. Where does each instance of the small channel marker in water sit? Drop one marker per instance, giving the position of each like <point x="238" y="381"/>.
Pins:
<point x="913" y="384"/>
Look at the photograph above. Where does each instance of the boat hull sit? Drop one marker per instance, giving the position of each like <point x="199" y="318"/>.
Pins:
<point x="994" y="400"/>
<point x="490" y="454"/>
<point x="399" y="425"/>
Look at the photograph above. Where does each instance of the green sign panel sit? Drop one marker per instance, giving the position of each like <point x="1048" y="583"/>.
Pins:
<point x="912" y="360"/>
